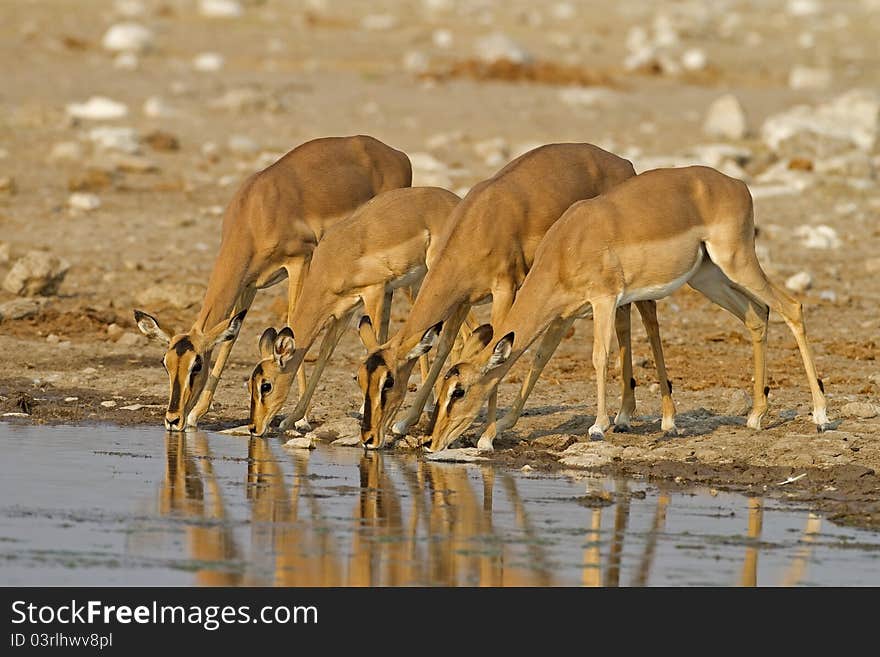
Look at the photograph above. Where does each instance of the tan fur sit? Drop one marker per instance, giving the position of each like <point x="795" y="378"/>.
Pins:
<point x="387" y="243"/>
<point x="487" y="254"/>
<point x="270" y="229"/>
<point x="640" y="240"/>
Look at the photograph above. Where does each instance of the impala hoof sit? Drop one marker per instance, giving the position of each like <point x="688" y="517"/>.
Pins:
<point x="621" y="428"/>
<point x="484" y="444"/>
<point x="400" y="428"/>
<point x="596" y="433"/>
<point x="303" y="425"/>
<point x="674" y="432"/>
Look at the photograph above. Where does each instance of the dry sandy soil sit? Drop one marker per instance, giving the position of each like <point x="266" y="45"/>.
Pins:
<point x="405" y="72"/>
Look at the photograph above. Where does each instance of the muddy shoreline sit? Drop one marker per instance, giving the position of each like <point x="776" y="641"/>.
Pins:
<point x="848" y="495"/>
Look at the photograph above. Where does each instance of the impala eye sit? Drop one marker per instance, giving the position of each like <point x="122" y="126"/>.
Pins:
<point x="457" y="393"/>
<point x="197" y="365"/>
<point x="389" y="383"/>
<point x="265" y="388"/>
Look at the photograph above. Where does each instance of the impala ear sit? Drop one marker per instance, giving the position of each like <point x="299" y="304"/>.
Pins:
<point x="501" y="352"/>
<point x="267" y="342"/>
<point x="477" y="341"/>
<point x="150" y="327"/>
<point x="225" y="331"/>
<point x="428" y="339"/>
<point x="368" y="334"/>
<point x="283" y="347"/>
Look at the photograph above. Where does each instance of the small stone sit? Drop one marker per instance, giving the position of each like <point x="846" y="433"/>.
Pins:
<point x="343" y="428"/>
<point x="115" y="138"/>
<point x="803" y="77"/>
<point x="800" y="282"/>
<point x="108" y="404"/>
<point x="500" y="47"/>
<point x="98" y="108"/>
<point x="66" y="151"/>
<point x="379" y="22"/>
<point x="828" y="295"/>
<point x="71" y="399"/>
<point x="159" y="140"/>
<point x="526" y="468"/>
<point x="220" y="8"/>
<point x="83" y="201"/>
<point x="713" y="492"/>
<point x="818" y="237"/>
<point x="739" y="403"/>
<point x="53" y="339"/>
<point x="129" y="339"/>
<point x="37" y="273"/>
<point x="242" y="430"/>
<point x="242" y="144"/>
<point x="131" y="407"/>
<point x="155" y="107"/>
<point x="300" y="442"/>
<point x="694" y="59"/>
<point x="726" y="118"/>
<point x="115" y="331"/>
<point x="464" y="455"/>
<point x="208" y="62"/>
<point x="127" y="37"/>
<point x="132" y="163"/>
<point x="347" y="441"/>
<point x="864" y="410"/>
<point x="19" y="309"/>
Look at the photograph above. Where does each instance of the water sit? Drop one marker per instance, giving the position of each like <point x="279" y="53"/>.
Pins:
<point x="113" y="506"/>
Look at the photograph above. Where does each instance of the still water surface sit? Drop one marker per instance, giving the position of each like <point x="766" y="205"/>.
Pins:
<point x="134" y="506"/>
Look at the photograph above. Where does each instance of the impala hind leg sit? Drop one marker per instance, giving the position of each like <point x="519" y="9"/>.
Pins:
<point x="502" y="300"/>
<point x="296" y="273"/>
<point x="711" y="282"/>
<point x="603" y="331"/>
<point x="623" y="329"/>
<point x="742" y="267"/>
<point x="223" y="351"/>
<point x="648" y="311"/>
<point x="545" y="350"/>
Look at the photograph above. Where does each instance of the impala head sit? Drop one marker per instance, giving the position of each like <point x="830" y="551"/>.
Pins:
<point x="187" y="361"/>
<point x="270" y="384"/>
<point x="467" y="385"/>
<point x="382" y="378"/>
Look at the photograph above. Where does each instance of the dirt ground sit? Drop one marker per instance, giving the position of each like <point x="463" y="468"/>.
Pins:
<point x="405" y="72"/>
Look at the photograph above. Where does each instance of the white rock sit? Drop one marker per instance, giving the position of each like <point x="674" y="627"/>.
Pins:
<point x="804" y="77"/>
<point x="242" y="144"/>
<point x="379" y="22"/>
<point x="155" y="107"/>
<point x="108" y="404"/>
<point x="84" y="201"/>
<point x="220" y="8"/>
<point x="129" y="8"/>
<point x="36" y="273"/>
<point x="800" y="282"/>
<point x="585" y="96"/>
<point x="300" y="442"/>
<point x="499" y="46"/>
<point x="98" y="108"/>
<point x="864" y="410"/>
<point x="640" y="58"/>
<point x="71" y="399"/>
<point x="739" y="403"/>
<point x="241" y="430"/>
<point x="803" y="7"/>
<point x="347" y="441"/>
<point x="208" y="62"/>
<point x="828" y="295"/>
<point x="526" y="468"/>
<point x="343" y="429"/>
<point x="694" y="59"/>
<point x="726" y="118"/>
<point x="20" y="308"/>
<point x="818" y="237"/>
<point x="115" y="138"/>
<point x="127" y="37"/>
<point x="126" y="61"/>
<point x="442" y="38"/>
<point x="853" y="117"/>
<point x="415" y="61"/>
<point x="463" y="455"/>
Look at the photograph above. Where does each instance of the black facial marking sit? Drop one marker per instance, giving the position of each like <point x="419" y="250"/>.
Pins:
<point x="258" y="370"/>
<point x="368" y="412"/>
<point x="669" y="385"/>
<point x="175" y="397"/>
<point x="364" y="320"/>
<point x="453" y="371"/>
<point x="632" y="383"/>
<point x="183" y="345"/>
<point x="374" y="362"/>
<point x="821" y="385"/>
<point x="766" y="390"/>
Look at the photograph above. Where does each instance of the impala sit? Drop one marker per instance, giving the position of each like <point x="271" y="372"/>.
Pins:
<point x="490" y="246"/>
<point x="388" y="243"/>
<point x="270" y="229"/>
<point x="641" y="240"/>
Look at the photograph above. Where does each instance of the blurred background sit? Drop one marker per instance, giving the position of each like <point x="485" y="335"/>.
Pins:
<point x="126" y="125"/>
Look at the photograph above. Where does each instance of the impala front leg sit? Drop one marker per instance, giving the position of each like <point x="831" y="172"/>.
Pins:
<point x="296" y="273"/>
<point x="603" y="330"/>
<point x="648" y="311"/>
<point x="502" y="300"/>
<point x="204" y="402"/>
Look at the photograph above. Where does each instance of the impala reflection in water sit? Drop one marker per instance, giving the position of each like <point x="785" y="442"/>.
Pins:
<point x="126" y="507"/>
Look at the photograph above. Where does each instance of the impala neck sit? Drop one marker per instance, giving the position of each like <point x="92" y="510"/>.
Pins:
<point x="437" y="300"/>
<point x="229" y="278"/>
